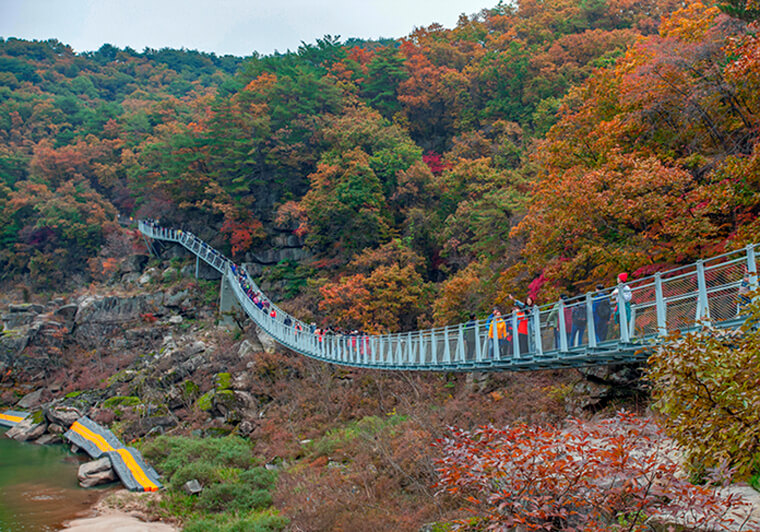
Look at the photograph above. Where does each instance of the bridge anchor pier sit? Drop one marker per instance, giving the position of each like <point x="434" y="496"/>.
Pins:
<point x="228" y="305"/>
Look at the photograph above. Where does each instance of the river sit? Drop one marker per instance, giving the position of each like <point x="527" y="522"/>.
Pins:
<point x="38" y="487"/>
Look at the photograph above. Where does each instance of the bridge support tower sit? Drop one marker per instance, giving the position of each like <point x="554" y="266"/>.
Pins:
<point x="228" y="305"/>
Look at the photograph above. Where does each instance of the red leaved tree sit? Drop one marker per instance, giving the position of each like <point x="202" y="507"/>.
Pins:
<point x="618" y="474"/>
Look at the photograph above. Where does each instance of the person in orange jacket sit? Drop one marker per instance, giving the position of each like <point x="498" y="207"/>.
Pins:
<point x="498" y="331"/>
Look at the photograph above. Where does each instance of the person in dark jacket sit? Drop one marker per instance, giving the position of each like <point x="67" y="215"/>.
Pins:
<point x="469" y="338"/>
<point x="554" y="317"/>
<point x="580" y="317"/>
<point x="602" y="310"/>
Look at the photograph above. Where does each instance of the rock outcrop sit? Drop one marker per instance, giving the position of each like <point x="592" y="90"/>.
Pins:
<point x="27" y="430"/>
<point x="138" y="359"/>
<point x="96" y="473"/>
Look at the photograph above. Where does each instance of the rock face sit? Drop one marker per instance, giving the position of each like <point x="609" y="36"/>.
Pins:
<point x="30" y="400"/>
<point x="117" y="309"/>
<point x="67" y="314"/>
<point x="604" y="384"/>
<point x="95" y="473"/>
<point x="267" y="342"/>
<point x="11" y="345"/>
<point x="62" y="416"/>
<point x="26" y="307"/>
<point x="21" y="315"/>
<point x="85" y="351"/>
<point x="134" y="263"/>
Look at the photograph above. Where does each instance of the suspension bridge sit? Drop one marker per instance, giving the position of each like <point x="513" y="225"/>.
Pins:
<point x="681" y="299"/>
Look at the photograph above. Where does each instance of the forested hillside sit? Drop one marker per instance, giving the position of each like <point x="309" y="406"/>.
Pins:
<point x="538" y="148"/>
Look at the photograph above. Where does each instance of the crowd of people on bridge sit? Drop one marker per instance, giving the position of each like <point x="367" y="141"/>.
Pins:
<point x="356" y="340"/>
<point x="568" y="316"/>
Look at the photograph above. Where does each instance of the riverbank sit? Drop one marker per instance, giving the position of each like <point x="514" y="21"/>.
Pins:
<point x="116" y="521"/>
<point x="121" y="511"/>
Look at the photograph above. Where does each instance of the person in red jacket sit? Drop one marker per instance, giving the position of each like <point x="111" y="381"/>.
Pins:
<point x="522" y="329"/>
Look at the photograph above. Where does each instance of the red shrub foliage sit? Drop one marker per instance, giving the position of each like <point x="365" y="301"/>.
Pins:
<point x="610" y="475"/>
<point x="149" y="317"/>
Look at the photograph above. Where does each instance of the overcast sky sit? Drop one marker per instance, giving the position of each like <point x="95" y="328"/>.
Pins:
<point x="236" y="27"/>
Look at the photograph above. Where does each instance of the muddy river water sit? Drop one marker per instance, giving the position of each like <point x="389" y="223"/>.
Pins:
<point x="38" y="487"/>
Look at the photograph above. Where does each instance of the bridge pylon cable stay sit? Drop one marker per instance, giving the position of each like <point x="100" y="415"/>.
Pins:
<point x="550" y="336"/>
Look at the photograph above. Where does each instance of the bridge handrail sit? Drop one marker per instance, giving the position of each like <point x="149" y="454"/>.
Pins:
<point x="662" y="302"/>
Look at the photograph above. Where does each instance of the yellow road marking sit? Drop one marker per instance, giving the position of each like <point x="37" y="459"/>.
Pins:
<point x="129" y="460"/>
<point x="14" y="419"/>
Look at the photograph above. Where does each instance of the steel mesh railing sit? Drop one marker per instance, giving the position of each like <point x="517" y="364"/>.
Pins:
<point x="545" y="336"/>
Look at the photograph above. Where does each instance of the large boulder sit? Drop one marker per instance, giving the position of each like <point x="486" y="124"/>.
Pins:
<point x="21" y="315"/>
<point x="148" y="424"/>
<point x="115" y="309"/>
<point x="192" y="487"/>
<point x="26" y="307"/>
<point x="47" y="439"/>
<point x="26" y="430"/>
<point x="180" y="299"/>
<point x="30" y="400"/>
<point x="235" y="405"/>
<point x="96" y="472"/>
<point x="267" y="343"/>
<point x="11" y="345"/>
<point x="64" y="416"/>
<point x="14" y="320"/>
<point x="603" y="385"/>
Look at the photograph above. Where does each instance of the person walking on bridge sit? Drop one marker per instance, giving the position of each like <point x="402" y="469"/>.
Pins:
<point x="469" y="338"/>
<point x="553" y="320"/>
<point x="602" y="311"/>
<point x="579" y="322"/>
<point x="524" y="324"/>
<point x="522" y="328"/>
<point x="627" y="297"/>
<point x="744" y="298"/>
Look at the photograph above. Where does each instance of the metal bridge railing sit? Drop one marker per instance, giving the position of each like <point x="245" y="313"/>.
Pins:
<point x="667" y="301"/>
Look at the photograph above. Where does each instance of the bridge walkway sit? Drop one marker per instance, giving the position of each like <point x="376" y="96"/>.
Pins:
<point x="681" y="299"/>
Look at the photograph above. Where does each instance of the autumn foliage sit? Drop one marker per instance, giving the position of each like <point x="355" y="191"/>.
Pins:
<point x="534" y="146"/>
<point x="706" y="384"/>
<point x="617" y="474"/>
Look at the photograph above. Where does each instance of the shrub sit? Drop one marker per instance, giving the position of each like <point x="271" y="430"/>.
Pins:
<point x="170" y="453"/>
<point x="258" y="478"/>
<point x="203" y="472"/>
<point x="267" y="521"/>
<point x="236" y="497"/>
<point x="707" y="386"/>
<point x="614" y="475"/>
